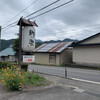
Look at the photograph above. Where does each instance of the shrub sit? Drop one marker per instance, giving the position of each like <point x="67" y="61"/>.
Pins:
<point x="11" y="78"/>
<point x="14" y="78"/>
<point x="63" y="65"/>
<point x="24" y="66"/>
<point x="5" y="64"/>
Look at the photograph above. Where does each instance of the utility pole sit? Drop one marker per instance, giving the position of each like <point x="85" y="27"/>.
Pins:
<point x="65" y="72"/>
<point x="20" y="43"/>
<point x="0" y="38"/>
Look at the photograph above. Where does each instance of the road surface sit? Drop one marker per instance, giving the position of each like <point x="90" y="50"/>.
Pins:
<point x="85" y="74"/>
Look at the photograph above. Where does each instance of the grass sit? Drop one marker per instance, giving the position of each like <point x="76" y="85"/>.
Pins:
<point x="33" y="79"/>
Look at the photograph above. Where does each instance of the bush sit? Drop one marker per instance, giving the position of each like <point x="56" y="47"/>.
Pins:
<point x="24" y="66"/>
<point x="11" y="78"/>
<point x="14" y="78"/>
<point x="5" y="64"/>
<point x="63" y="65"/>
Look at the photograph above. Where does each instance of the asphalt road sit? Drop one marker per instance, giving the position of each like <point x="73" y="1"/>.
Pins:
<point x="91" y="75"/>
<point x="54" y="93"/>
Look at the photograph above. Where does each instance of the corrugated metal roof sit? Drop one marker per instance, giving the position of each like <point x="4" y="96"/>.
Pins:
<point x="7" y="51"/>
<point x="53" y="47"/>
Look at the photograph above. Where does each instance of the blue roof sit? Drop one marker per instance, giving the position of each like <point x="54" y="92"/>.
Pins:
<point x="7" y="51"/>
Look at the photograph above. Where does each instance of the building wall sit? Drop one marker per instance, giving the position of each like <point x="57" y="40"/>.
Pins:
<point x="43" y="58"/>
<point x="92" y="40"/>
<point x="86" y="54"/>
<point x="66" y="56"/>
<point x="12" y="58"/>
<point x="8" y="58"/>
<point x="4" y="58"/>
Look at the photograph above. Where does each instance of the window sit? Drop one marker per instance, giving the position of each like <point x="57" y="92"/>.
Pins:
<point x="52" y="58"/>
<point x="10" y="57"/>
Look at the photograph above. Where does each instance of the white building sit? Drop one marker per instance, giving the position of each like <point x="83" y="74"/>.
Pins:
<point x="87" y="51"/>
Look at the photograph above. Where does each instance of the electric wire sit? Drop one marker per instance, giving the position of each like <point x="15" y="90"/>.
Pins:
<point x="41" y="9"/>
<point x="52" y="9"/>
<point x="33" y="13"/>
<point x="22" y="10"/>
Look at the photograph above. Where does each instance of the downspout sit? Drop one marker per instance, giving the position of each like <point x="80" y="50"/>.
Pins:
<point x="60" y="59"/>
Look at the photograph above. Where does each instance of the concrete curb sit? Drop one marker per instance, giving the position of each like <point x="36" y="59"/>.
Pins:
<point x="5" y="96"/>
<point x="71" y="78"/>
<point x="39" y="88"/>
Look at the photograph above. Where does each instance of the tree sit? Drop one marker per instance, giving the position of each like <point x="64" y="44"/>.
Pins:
<point x="38" y="44"/>
<point x="16" y="47"/>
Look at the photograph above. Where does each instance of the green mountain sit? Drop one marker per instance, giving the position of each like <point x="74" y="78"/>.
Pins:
<point x="6" y="43"/>
<point x="65" y="40"/>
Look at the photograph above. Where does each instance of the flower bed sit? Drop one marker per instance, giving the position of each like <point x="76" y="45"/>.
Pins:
<point x="14" y="78"/>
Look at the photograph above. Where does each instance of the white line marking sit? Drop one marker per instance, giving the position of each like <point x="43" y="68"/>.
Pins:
<point x="60" y="84"/>
<point x="79" y="90"/>
<point x="71" y="86"/>
<point x="85" y="80"/>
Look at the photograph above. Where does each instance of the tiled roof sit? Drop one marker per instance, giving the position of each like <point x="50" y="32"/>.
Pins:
<point x="7" y="51"/>
<point x="53" y="47"/>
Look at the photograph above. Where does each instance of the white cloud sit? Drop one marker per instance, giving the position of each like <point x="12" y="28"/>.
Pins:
<point x="70" y="21"/>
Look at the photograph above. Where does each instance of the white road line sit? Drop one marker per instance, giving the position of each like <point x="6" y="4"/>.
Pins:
<point x="71" y="86"/>
<point x="79" y="90"/>
<point x="85" y="80"/>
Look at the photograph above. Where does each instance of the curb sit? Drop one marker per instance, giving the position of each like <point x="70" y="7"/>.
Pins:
<point x="71" y="78"/>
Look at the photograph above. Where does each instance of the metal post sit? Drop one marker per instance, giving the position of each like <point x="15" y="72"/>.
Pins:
<point x="0" y="38"/>
<point x="65" y="72"/>
<point x="20" y="44"/>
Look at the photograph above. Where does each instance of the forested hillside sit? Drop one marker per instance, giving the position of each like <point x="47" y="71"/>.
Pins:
<point x="6" y="43"/>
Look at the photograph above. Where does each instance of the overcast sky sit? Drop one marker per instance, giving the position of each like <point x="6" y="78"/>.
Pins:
<point x="76" y="20"/>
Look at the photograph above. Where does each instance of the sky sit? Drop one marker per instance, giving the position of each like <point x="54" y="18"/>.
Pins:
<point x="76" y="20"/>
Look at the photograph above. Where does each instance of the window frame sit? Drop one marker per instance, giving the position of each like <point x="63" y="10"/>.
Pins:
<point x="54" y="58"/>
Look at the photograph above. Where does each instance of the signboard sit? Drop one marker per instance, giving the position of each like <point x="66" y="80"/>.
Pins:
<point x="28" y="39"/>
<point x="28" y="58"/>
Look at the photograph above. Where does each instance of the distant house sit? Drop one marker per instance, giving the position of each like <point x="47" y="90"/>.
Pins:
<point x="87" y="51"/>
<point x="7" y="54"/>
<point x="53" y="53"/>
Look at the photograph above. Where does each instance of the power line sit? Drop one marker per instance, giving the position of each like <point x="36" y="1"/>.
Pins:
<point x="52" y="9"/>
<point x="12" y="25"/>
<point x="32" y="13"/>
<point x="9" y="27"/>
<point x="42" y="8"/>
<point x="22" y="10"/>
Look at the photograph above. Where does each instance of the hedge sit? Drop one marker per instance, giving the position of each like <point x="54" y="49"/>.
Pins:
<point x="4" y="65"/>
